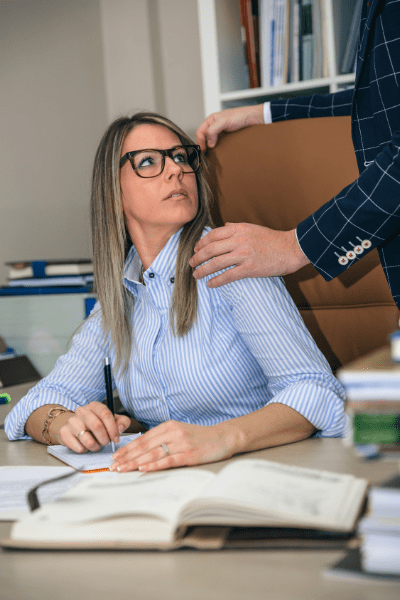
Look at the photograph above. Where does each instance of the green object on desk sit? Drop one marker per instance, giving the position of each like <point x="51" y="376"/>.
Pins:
<point x="5" y="398"/>
<point x="376" y="428"/>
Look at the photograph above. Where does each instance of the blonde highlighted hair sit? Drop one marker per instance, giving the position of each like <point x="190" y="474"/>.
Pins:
<point x="111" y="242"/>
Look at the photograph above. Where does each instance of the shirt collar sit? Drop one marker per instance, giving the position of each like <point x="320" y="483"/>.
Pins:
<point x="162" y="266"/>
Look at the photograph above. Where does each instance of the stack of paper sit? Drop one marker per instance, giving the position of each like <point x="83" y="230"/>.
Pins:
<point x="380" y="549"/>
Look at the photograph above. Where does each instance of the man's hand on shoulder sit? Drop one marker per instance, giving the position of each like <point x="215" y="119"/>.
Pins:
<point x="252" y="251"/>
<point x="230" y="119"/>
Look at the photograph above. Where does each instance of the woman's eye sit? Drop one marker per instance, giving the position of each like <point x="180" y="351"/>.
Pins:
<point x="148" y="161"/>
<point x="181" y="158"/>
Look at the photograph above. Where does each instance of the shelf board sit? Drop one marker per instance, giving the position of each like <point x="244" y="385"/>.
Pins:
<point x="287" y="87"/>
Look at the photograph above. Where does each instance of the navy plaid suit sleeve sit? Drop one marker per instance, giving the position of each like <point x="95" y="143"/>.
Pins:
<point x="317" y="105"/>
<point x="368" y="209"/>
<point x="366" y="214"/>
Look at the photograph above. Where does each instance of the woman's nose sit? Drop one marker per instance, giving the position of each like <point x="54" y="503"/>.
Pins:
<point x="172" y="168"/>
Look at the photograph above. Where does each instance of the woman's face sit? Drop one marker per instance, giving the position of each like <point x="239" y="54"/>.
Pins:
<point x="161" y="204"/>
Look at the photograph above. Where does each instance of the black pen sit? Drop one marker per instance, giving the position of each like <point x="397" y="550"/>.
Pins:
<point x="109" y="394"/>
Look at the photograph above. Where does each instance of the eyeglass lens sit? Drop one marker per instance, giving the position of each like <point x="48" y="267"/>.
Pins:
<point x="150" y="163"/>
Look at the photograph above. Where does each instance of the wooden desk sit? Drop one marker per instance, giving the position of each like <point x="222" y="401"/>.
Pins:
<point x="186" y="574"/>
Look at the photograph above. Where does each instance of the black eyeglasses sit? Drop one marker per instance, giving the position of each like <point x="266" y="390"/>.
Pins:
<point x="151" y="162"/>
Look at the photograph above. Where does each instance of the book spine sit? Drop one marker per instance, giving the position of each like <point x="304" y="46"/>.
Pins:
<point x="244" y="41"/>
<point x="307" y="35"/>
<point x="350" y="54"/>
<point x="251" y="44"/>
<point x="376" y="428"/>
<point x="294" y="39"/>
<point x="300" y="40"/>
<point x="265" y="11"/>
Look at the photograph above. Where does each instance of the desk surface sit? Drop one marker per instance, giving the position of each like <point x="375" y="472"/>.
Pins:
<point x="187" y="574"/>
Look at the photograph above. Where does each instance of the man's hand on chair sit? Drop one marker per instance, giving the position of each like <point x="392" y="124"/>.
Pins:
<point x="251" y="251"/>
<point x="230" y="119"/>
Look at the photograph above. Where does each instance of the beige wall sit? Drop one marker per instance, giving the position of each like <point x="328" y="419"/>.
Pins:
<point x="67" y="68"/>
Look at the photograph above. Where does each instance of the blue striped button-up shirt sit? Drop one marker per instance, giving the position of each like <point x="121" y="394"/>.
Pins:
<point x="248" y="347"/>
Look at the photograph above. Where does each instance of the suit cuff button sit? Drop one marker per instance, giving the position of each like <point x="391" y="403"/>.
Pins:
<point x="366" y="244"/>
<point x="343" y="260"/>
<point x="351" y="255"/>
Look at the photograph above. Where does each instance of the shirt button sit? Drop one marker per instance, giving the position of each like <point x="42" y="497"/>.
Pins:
<point x="343" y="260"/>
<point x="366" y="244"/>
<point x="351" y="255"/>
<point x="151" y="275"/>
<point x="172" y="280"/>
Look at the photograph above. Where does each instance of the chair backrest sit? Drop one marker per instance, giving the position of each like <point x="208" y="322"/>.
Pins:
<point x="276" y="175"/>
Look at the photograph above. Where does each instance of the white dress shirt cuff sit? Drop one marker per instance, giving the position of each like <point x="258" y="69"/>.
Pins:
<point x="267" y="113"/>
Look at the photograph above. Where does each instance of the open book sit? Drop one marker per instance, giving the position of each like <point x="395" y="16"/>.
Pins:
<point x="194" y="507"/>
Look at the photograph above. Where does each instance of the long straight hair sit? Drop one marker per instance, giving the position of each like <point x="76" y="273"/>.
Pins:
<point x="111" y="241"/>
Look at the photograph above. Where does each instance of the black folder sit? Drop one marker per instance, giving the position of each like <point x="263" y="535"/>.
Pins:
<point x="16" y="370"/>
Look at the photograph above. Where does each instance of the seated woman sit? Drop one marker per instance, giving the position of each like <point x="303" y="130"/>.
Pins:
<point x="206" y="373"/>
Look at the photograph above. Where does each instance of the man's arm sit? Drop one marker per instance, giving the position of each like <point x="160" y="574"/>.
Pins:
<point x="251" y="250"/>
<point x="317" y="105"/>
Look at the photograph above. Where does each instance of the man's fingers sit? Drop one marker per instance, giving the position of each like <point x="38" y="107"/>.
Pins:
<point x="207" y="133"/>
<point x="232" y="275"/>
<point x="224" y="261"/>
<point x="216" y="235"/>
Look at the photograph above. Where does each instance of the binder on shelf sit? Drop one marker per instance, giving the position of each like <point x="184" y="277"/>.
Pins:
<point x="249" y="27"/>
<point x="307" y="40"/>
<point x="44" y="268"/>
<point x="14" y="371"/>
<point x="67" y="280"/>
<point x="274" y="50"/>
<point x="350" y="54"/>
<point x="30" y="291"/>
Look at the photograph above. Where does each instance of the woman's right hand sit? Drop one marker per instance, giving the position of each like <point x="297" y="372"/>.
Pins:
<point x="90" y="428"/>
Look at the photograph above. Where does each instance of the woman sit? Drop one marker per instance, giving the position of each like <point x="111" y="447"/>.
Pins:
<point x="205" y="373"/>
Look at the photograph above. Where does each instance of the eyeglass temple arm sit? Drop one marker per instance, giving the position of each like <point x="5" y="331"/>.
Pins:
<point x="32" y="497"/>
<point x="123" y="161"/>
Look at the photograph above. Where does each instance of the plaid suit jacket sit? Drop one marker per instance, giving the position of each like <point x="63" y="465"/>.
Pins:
<point x="366" y="214"/>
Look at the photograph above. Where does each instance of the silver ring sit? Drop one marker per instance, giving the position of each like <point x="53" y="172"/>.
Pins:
<point x="81" y="432"/>
<point x="165" y="448"/>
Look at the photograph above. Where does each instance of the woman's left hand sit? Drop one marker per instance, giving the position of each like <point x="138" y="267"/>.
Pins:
<point x="175" y="444"/>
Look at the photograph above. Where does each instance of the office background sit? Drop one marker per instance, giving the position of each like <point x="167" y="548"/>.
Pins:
<point x="67" y="69"/>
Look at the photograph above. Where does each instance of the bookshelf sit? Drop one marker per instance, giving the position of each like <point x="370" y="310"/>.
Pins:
<point x="223" y="62"/>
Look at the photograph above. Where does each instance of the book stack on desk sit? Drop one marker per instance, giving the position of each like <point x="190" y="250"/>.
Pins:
<point x="380" y="530"/>
<point x="372" y="387"/>
<point x="50" y="276"/>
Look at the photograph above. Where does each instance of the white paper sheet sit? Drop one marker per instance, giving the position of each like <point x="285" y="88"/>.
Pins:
<point x="89" y="460"/>
<point x="15" y="483"/>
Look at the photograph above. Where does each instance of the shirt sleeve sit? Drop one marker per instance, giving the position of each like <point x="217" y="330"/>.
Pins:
<point x="267" y="113"/>
<point x="338" y="104"/>
<point x="298" y="374"/>
<point x="76" y="379"/>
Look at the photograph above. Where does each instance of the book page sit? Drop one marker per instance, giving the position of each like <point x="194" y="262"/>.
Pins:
<point x="268" y="492"/>
<point x="97" y="504"/>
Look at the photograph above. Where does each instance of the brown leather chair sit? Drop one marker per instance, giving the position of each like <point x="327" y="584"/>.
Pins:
<point x="276" y="175"/>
